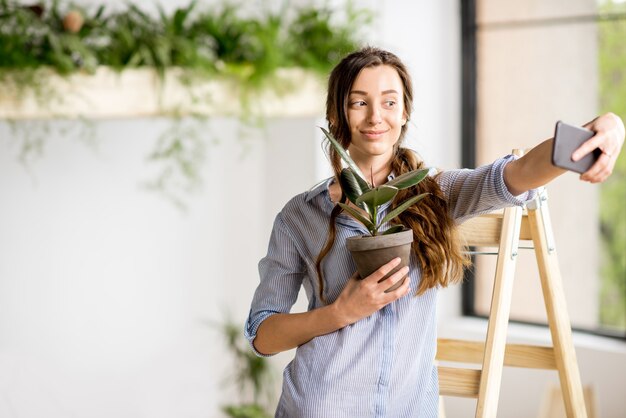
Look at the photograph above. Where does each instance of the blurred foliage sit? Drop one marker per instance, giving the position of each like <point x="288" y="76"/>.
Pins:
<point x="180" y="153"/>
<point x="216" y="41"/>
<point x="251" y="374"/>
<point x="204" y="42"/>
<point x="320" y="43"/>
<point x="612" y="68"/>
<point x="246" y="411"/>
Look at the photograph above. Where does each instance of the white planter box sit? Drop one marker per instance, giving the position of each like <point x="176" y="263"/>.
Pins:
<point x="109" y="94"/>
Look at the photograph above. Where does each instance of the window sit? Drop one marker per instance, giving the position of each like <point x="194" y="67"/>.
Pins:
<point x="527" y="65"/>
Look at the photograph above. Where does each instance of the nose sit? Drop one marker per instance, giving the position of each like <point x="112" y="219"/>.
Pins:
<point x="374" y="117"/>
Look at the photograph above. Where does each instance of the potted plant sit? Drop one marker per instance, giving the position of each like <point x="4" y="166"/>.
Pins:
<point x="370" y="251"/>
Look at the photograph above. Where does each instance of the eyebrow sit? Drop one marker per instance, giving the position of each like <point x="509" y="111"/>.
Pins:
<point x="363" y="93"/>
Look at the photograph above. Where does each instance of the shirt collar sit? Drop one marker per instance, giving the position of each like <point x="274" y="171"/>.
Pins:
<point x="319" y="188"/>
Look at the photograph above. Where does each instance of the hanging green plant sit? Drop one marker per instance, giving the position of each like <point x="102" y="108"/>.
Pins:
<point x="193" y="45"/>
<point x="70" y="38"/>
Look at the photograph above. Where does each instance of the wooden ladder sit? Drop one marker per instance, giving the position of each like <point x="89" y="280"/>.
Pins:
<point x="504" y="230"/>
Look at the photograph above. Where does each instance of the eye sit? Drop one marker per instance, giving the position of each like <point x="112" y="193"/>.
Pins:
<point x="358" y="103"/>
<point x="390" y="103"/>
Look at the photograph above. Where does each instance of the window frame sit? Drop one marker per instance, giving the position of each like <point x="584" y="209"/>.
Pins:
<point x="469" y="106"/>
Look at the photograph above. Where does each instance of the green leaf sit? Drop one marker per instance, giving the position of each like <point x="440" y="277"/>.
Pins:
<point x="354" y="186"/>
<point x="99" y="12"/>
<point x="409" y="179"/>
<point x="358" y="216"/>
<point x="343" y="154"/>
<point x="394" y="229"/>
<point x="349" y="185"/>
<point x="378" y="196"/>
<point x="403" y="206"/>
<point x="365" y="186"/>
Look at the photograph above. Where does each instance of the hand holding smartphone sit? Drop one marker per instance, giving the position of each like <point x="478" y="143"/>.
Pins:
<point x="567" y="138"/>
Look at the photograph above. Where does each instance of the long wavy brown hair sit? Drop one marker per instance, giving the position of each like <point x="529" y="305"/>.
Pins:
<point x="435" y="241"/>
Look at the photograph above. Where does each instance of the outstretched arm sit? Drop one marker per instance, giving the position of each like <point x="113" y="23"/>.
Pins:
<point x="535" y="168"/>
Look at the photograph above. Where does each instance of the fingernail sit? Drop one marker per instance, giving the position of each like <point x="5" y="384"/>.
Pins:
<point x="575" y="156"/>
<point x="397" y="260"/>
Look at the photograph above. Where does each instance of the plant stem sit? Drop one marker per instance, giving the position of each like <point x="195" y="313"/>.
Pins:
<point x="375" y="220"/>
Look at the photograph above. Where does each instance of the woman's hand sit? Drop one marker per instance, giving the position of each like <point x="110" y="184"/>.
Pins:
<point x="361" y="298"/>
<point x="535" y="168"/>
<point x="609" y="137"/>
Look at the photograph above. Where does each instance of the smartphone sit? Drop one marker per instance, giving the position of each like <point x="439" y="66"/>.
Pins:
<point x="567" y="138"/>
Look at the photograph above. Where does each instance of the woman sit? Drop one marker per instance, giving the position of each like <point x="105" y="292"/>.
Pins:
<point x="363" y="352"/>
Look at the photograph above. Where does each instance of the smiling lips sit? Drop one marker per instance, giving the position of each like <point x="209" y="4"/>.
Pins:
<point x="373" y="134"/>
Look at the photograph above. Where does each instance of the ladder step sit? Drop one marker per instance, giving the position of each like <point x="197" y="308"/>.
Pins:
<point x="484" y="230"/>
<point x="455" y="381"/>
<point x="516" y="355"/>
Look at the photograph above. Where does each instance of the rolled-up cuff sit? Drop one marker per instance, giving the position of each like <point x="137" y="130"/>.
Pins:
<point x="519" y="200"/>
<point x="252" y="326"/>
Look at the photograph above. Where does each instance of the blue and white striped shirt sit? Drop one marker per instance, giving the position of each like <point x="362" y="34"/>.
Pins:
<point x="382" y="365"/>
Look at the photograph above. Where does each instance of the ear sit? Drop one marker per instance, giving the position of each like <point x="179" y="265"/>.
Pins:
<point x="405" y="117"/>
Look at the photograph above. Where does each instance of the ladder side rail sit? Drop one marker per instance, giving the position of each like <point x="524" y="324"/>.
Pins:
<point x="495" y="343"/>
<point x="556" y="307"/>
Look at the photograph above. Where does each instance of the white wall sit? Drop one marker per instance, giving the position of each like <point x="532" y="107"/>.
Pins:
<point x="105" y="288"/>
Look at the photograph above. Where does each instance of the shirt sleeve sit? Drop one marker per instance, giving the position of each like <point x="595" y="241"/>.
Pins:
<point x="473" y="192"/>
<point x="281" y="272"/>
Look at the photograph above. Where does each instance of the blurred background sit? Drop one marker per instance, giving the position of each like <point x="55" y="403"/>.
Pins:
<point x="130" y="230"/>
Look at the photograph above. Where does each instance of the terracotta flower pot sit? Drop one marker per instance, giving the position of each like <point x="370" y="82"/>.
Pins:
<point x="371" y="252"/>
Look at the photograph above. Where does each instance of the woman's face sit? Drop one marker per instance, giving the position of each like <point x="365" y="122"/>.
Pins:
<point x="375" y="112"/>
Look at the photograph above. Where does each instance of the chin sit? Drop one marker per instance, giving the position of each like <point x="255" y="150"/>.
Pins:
<point x="378" y="152"/>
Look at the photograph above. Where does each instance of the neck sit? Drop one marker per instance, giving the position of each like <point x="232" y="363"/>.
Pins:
<point x="376" y="169"/>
